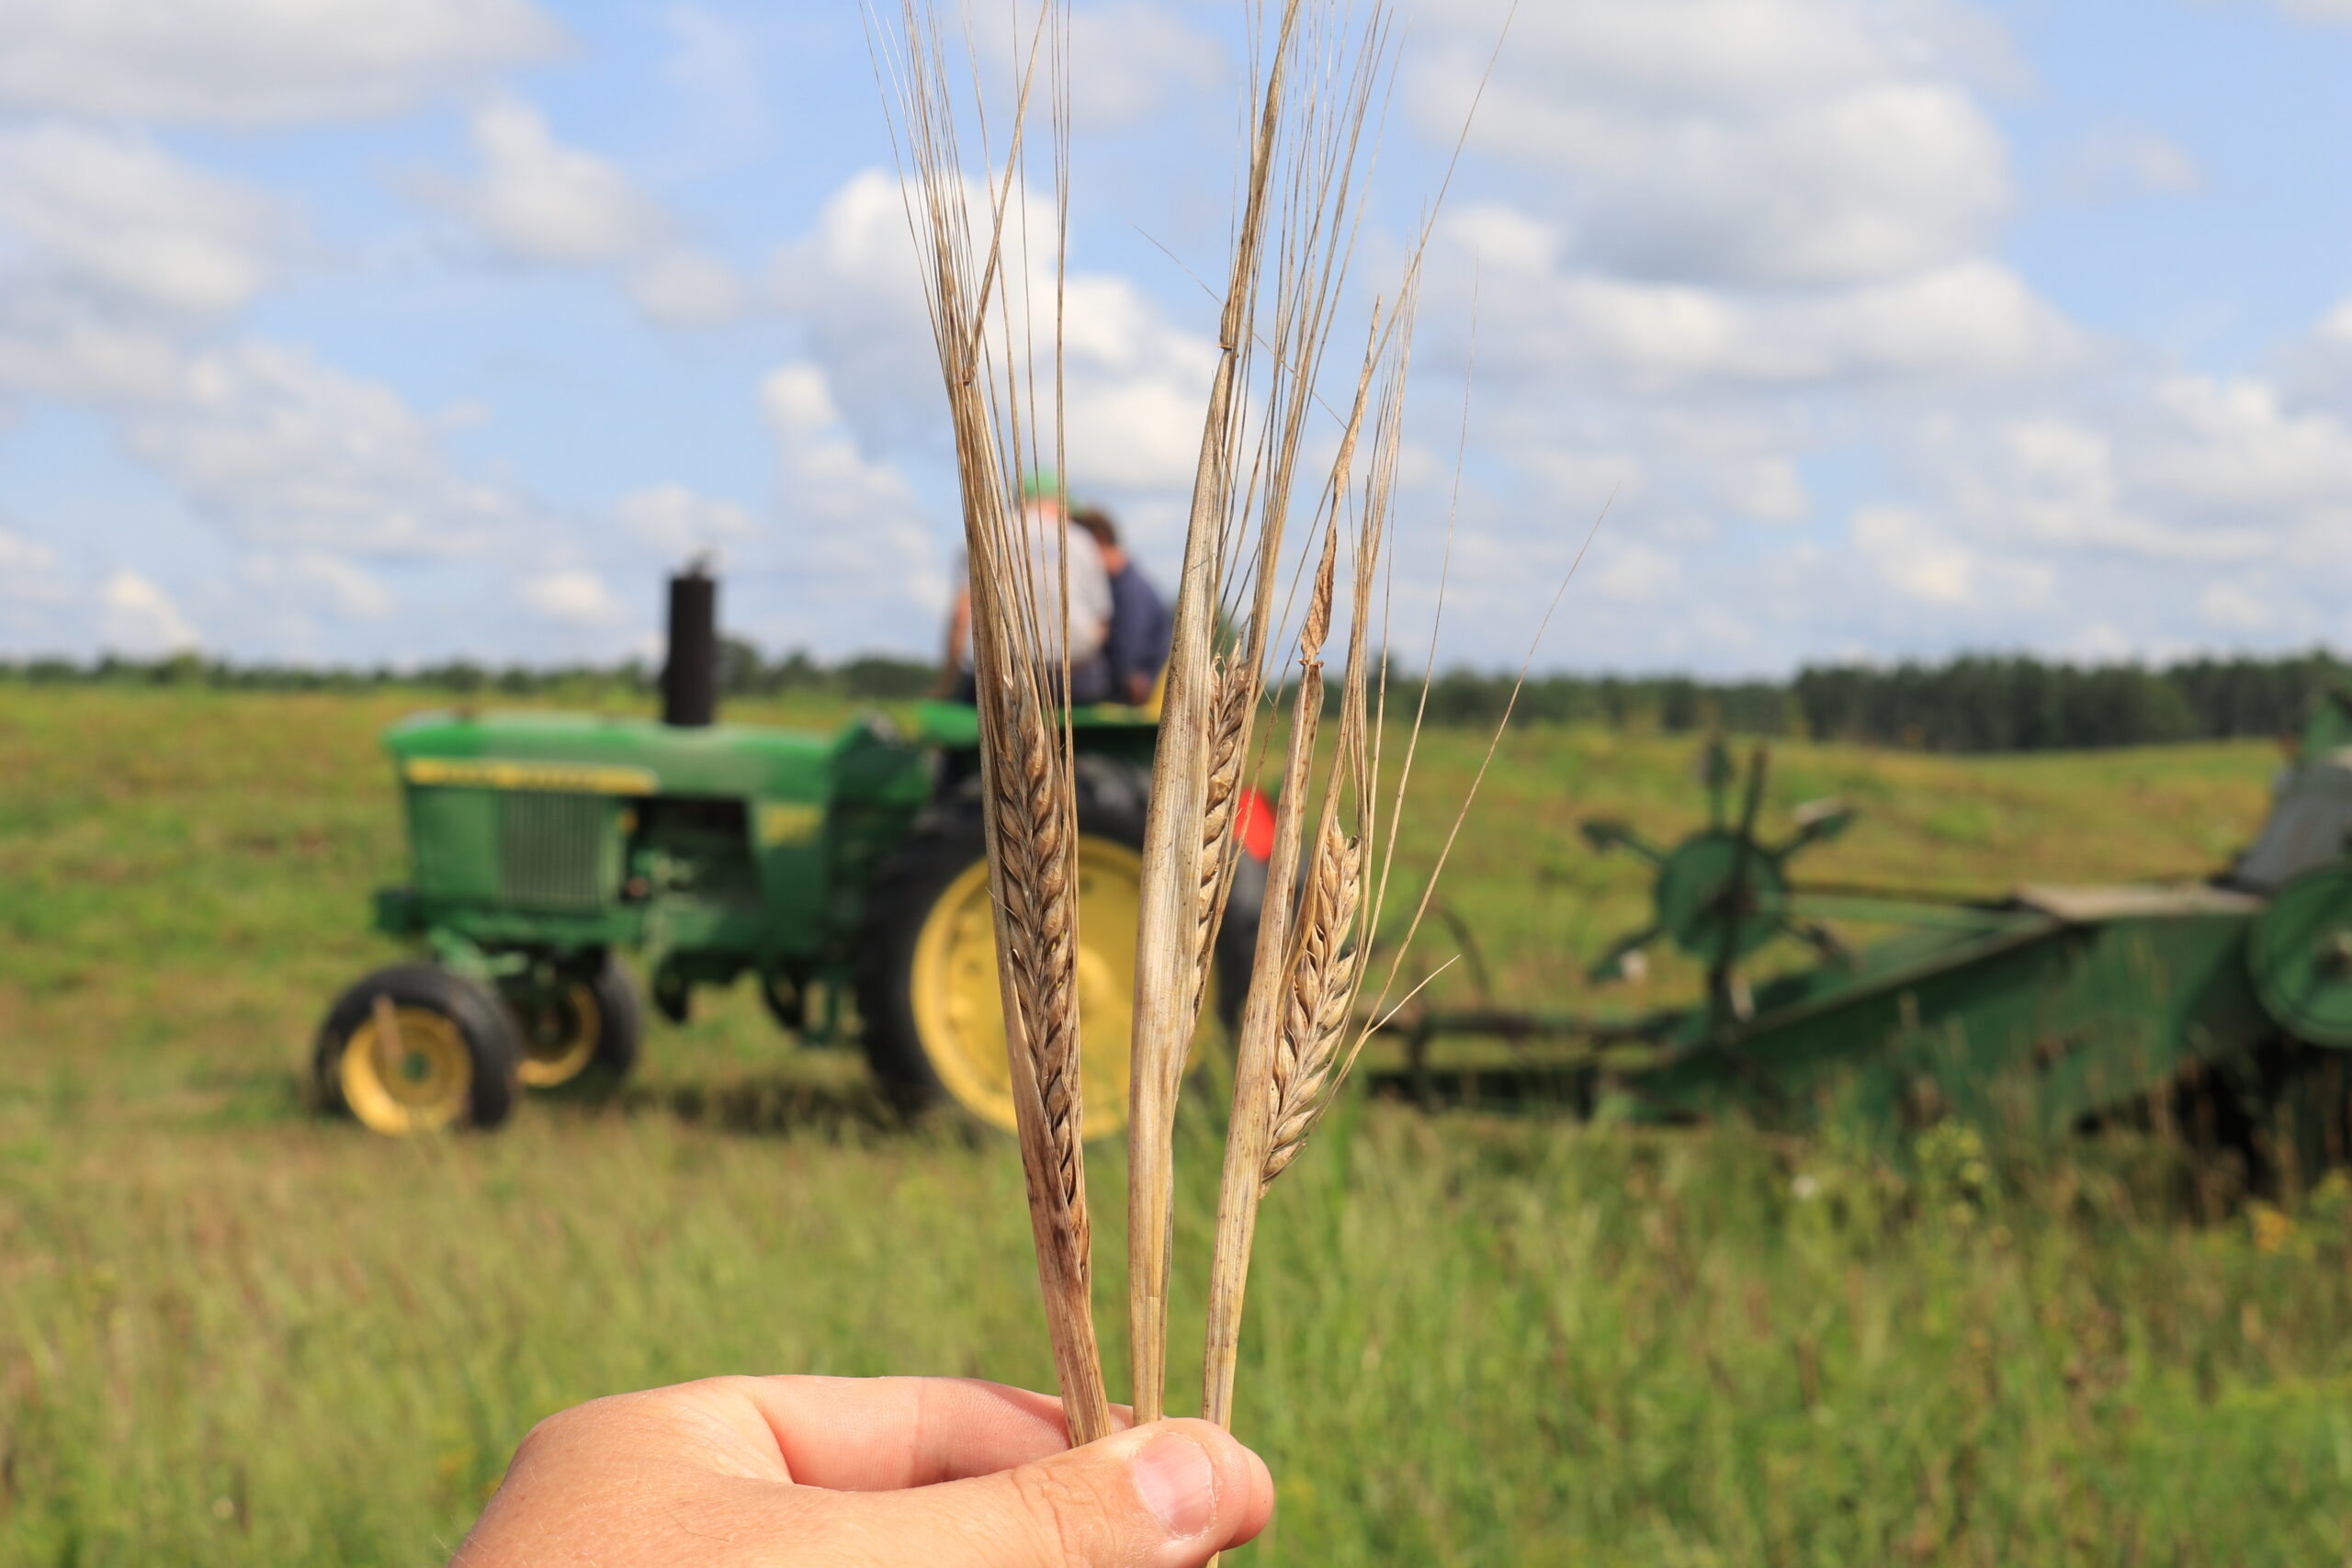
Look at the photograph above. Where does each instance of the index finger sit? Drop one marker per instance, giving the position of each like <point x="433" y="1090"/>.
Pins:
<point x="885" y="1434"/>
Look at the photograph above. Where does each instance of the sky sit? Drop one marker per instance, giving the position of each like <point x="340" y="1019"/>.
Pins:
<point x="396" y="330"/>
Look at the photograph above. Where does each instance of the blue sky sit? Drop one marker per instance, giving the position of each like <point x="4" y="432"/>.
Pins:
<point x="396" y="329"/>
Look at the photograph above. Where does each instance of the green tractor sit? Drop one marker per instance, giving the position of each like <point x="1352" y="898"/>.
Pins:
<point x="847" y="867"/>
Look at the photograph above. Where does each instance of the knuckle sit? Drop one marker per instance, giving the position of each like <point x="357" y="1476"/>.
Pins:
<point x="582" y="1426"/>
<point x="1065" y="1514"/>
<point x="550" y="1432"/>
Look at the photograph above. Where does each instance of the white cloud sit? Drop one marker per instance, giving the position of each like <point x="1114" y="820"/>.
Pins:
<point x="113" y="254"/>
<point x="122" y="218"/>
<point x="1913" y="557"/>
<point x="2127" y="161"/>
<point x="716" y="69"/>
<point x="855" y="510"/>
<point x="319" y="580"/>
<point x="1768" y="487"/>
<point x="2186" y="469"/>
<point x="287" y="451"/>
<point x="539" y="200"/>
<point x="1972" y="319"/>
<point x="575" y="597"/>
<point x="58" y="341"/>
<point x="2234" y="606"/>
<point x="1500" y="237"/>
<point x="1740" y="235"/>
<point x="2124" y="514"/>
<point x="2238" y="451"/>
<point x="1127" y="59"/>
<point x="21" y="558"/>
<point x="256" y="62"/>
<point x="856" y="545"/>
<point x="1632" y="572"/>
<point x="137" y="618"/>
<point x="677" y="285"/>
<point x="852" y="284"/>
<point x="680" y="522"/>
<point x="1735" y="140"/>
<point x="1135" y="381"/>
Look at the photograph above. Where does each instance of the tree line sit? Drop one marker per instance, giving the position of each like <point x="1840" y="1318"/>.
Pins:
<point x="1970" y="703"/>
<point x="743" y="671"/>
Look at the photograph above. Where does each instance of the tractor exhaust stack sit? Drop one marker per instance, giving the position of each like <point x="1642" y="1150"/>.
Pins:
<point x="690" y="676"/>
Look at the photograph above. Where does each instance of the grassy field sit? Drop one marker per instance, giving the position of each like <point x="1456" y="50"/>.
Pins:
<point x="231" y="1334"/>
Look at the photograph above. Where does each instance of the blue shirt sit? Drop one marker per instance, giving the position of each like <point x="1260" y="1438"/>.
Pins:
<point x="1141" y="630"/>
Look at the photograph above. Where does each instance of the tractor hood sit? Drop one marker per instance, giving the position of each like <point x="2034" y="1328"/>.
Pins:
<point x="595" y="754"/>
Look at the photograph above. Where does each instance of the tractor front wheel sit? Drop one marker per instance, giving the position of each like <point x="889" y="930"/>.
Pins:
<point x="417" y="1049"/>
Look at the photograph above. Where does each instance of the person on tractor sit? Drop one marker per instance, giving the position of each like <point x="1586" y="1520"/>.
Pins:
<point x="1141" y="626"/>
<point x="1046" y="538"/>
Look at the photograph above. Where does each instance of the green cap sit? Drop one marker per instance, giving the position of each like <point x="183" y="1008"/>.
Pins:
<point x="1040" y="483"/>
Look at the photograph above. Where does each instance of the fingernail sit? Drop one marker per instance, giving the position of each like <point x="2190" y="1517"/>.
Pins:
<point x="1177" y="1484"/>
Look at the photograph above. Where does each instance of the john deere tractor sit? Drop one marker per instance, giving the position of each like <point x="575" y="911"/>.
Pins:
<point x="823" y="867"/>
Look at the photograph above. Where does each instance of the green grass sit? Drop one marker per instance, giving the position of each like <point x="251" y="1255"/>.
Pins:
<point x="230" y="1334"/>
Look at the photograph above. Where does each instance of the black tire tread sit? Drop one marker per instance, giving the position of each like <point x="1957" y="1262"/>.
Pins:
<point x="481" y="1022"/>
<point x="623" y="1012"/>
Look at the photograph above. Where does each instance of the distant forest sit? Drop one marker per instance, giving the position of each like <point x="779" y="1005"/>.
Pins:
<point x="1972" y="704"/>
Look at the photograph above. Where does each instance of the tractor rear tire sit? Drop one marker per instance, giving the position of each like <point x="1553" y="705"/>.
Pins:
<point x="453" y="1062"/>
<point x="926" y="956"/>
<point x="591" y="1028"/>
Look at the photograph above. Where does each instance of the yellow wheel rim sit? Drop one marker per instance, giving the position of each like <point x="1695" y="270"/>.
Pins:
<point x="560" y="1036"/>
<point x="958" y="1010"/>
<point x="421" y="1085"/>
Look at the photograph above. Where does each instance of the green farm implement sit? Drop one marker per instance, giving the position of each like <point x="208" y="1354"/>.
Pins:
<point x="2221" y="1007"/>
<point x="827" y="868"/>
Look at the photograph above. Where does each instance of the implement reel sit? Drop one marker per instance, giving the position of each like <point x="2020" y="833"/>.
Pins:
<point x="1722" y="893"/>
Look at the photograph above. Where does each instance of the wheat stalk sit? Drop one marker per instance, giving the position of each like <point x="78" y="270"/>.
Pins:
<point x="1170" y="946"/>
<point x="1293" y="238"/>
<point x="986" y="342"/>
<point x="1314" y="81"/>
<point x="1305" y="978"/>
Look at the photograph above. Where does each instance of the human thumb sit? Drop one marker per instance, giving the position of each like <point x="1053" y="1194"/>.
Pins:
<point x="1167" y="1496"/>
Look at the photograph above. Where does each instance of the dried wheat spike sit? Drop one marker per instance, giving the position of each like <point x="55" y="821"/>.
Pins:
<point x="1034" y="831"/>
<point x="1321" y="992"/>
<point x="1234" y="694"/>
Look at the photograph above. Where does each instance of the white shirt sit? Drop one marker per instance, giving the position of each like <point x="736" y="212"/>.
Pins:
<point x="1039" y="538"/>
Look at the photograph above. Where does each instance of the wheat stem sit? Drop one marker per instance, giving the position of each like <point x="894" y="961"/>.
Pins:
<point x="988" y="357"/>
<point x="1247" y="1135"/>
<point x="1167" y="988"/>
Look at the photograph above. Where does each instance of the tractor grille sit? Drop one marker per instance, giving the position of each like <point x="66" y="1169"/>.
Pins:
<point x="552" y="849"/>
